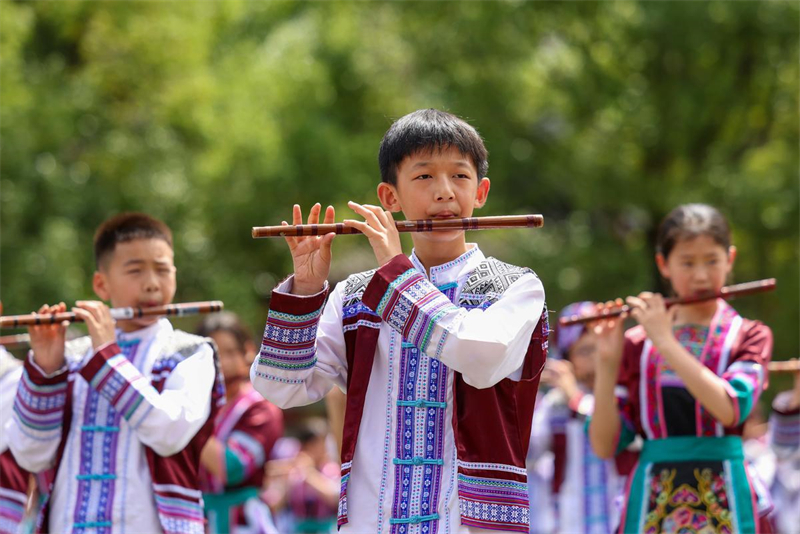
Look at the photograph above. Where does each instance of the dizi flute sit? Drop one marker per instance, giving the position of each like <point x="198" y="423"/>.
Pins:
<point x="786" y="366"/>
<point x="15" y="341"/>
<point x="423" y="225"/>
<point x="727" y="292"/>
<point x="120" y="314"/>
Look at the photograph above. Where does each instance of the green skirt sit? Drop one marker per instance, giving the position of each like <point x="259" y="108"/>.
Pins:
<point x="690" y="484"/>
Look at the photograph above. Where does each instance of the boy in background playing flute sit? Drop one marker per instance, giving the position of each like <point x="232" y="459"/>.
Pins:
<point x="119" y="417"/>
<point x="439" y="352"/>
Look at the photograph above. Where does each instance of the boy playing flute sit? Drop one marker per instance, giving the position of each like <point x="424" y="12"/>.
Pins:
<point x="119" y="417"/>
<point x="439" y="352"/>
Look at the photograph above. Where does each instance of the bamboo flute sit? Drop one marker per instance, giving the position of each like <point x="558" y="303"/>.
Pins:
<point x="727" y="292"/>
<point x="15" y="341"/>
<point x="785" y="366"/>
<point x="120" y="314"/>
<point x="423" y="225"/>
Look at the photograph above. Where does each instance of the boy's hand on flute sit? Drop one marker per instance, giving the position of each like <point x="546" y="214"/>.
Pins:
<point x="380" y="229"/>
<point x="311" y="254"/>
<point x="47" y="341"/>
<point x="98" y="320"/>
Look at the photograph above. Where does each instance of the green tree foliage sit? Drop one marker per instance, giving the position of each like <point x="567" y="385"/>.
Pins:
<point x="218" y="116"/>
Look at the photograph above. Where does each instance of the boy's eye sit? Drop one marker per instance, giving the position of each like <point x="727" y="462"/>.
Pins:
<point x="461" y="176"/>
<point x="134" y="271"/>
<point x="423" y="176"/>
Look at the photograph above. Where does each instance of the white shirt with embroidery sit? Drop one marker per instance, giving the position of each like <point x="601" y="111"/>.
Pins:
<point x="485" y="346"/>
<point x="103" y="483"/>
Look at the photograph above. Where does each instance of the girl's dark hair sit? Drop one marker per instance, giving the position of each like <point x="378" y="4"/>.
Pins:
<point x="689" y="221"/>
<point x="429" y="129"/>
<point x="225" y="322"/>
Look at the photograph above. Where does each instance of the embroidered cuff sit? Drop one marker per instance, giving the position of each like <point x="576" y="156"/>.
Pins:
<point x="408" y="302"/>
<point x="38" y="375"/>
<point x="113" y="376"/>
<point x="39" y="403"/>
<point x="289" y="342"/>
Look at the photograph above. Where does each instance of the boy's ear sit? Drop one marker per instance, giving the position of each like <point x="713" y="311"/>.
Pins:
<point x="661" y="263"/>
<point x="100" y="286"/>
<point x="483" y="192"/>
<point x="387" y="194"/>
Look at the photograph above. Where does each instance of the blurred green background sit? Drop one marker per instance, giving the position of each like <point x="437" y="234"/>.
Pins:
<point x="218" y="116"/>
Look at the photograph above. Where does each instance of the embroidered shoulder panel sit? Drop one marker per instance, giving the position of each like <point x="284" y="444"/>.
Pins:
<point x="490" y="279"/>
<point x="181" y="345"/>
<point x="356" y="284"/>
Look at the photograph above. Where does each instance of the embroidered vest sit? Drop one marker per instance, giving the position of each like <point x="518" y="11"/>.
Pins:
<point x="491" y="426"/>
<point x="175" y="481"/>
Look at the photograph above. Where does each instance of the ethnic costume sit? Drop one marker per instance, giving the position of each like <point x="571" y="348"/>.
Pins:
<point x="121" y="429"/>
<point x="248" y="426"/>
<point x="13" y="478"/>
<point x="583" y="489"/>
<point x="784" y="484"/>
<point x="691" y="476"/>
<point x="441" y="376"/>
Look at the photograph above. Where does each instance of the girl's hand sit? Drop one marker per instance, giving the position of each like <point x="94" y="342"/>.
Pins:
<point x="380" y="229"/>
<point x="311" y="255"/>
<point x="47" y="341"/>
<point x="610" y="336"/>
<point x="650" y="311"/>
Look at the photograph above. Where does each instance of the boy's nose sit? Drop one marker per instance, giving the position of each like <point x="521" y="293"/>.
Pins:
<point x="151" y="283"/>
<point x="444" y="191"/>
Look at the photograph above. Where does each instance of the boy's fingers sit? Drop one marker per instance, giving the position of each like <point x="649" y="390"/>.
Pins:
<point x="363" y="227"/>
<point x="330" y="215"/>
<point x="85" y="315"/>
<point x="297" y="215"/>
<point x="325" y="246"/>
<point x="313" y="214"/>
<point x="291" y="241"/>
<point x="364" y="212"/>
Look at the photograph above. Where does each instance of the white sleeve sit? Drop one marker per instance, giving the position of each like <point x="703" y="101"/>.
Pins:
<point x="303" y="351"/>
<point x="35" y="428"/>
<point x="165" y="421"/>
<point x="484" y="345"/>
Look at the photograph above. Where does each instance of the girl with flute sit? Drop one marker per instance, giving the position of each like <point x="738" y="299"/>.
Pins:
<point x="583" y="489"/>
<point x="685" y="379"/>
<point x="439" y="352"/>
<point x="117" y="419"/>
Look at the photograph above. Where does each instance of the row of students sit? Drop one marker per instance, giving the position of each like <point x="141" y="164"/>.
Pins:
<point x="440" y="354"/>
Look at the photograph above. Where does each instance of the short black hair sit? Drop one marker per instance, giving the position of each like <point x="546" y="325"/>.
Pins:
<point x="225" y="322"/>
<point x="429" y="129"/>
<point x="127" y="227"/>
<point x="688" y="221"/>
